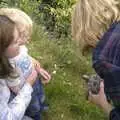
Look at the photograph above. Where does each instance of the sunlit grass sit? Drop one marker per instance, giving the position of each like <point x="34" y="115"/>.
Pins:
<point x="66" y="91"/>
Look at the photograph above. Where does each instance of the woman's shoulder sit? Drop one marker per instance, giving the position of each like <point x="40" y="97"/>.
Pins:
<point x="115" y="26"/>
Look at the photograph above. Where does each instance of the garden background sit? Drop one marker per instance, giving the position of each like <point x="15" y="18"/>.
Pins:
<point x="52" y="45"/>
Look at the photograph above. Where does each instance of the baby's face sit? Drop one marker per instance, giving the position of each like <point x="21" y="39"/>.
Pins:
<point x="24" y="34"/>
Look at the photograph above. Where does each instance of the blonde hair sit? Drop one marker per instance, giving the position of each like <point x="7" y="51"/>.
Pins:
<point x="91" y="18"/>
<point x="21" y="19"/>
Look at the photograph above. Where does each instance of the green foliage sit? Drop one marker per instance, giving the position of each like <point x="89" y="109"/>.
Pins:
<point x="3" y="3"/>
<point x="9" y="3"/>
<point x="57" y="16"/>
<point x="54" y="14"/>
<point x="29" y="6"/>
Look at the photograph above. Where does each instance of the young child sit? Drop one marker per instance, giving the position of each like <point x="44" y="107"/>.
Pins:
<point x="24" y="63"/>
<point x="98" y="21"/>
<point x="9" y="47"/>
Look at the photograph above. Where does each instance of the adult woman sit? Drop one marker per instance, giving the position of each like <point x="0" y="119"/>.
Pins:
<point x="98" y="22"/>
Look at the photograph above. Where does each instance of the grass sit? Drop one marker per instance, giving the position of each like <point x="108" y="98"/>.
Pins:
<point x="66" y="91"/>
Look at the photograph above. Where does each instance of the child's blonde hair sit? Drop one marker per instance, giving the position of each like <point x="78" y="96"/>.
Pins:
<point x="91" y="18"/>
<point x="21" y="19"/>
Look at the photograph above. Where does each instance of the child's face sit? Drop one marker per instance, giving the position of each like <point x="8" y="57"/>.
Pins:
<point x="14" y="47"/>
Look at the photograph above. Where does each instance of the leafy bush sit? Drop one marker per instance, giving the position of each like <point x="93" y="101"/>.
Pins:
<point x="57" y="15"/>
<point x="29" y="6"/>
<point x="3" y="3"/>
<point x="54" y="14"/>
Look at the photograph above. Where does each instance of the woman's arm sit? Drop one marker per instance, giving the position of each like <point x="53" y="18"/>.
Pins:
<point x="101" y="101"/>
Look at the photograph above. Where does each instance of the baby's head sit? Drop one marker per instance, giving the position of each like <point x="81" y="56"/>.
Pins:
<point x="22" y="21"/>
<point x="91" y="18"/>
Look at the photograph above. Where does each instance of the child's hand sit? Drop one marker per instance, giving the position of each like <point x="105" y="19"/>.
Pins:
<point x="35" y="62"/>
<point x="45" y="75"/>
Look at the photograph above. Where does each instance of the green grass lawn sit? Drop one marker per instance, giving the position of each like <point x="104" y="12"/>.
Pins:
<point x="66" y="91"/>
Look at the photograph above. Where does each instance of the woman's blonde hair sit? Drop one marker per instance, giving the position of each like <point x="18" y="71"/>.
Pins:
<point x="21" y="19"/>
<point x="91" y="18"/>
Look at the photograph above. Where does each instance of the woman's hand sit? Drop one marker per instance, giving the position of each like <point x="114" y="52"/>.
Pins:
<point x="100" y="99"/>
